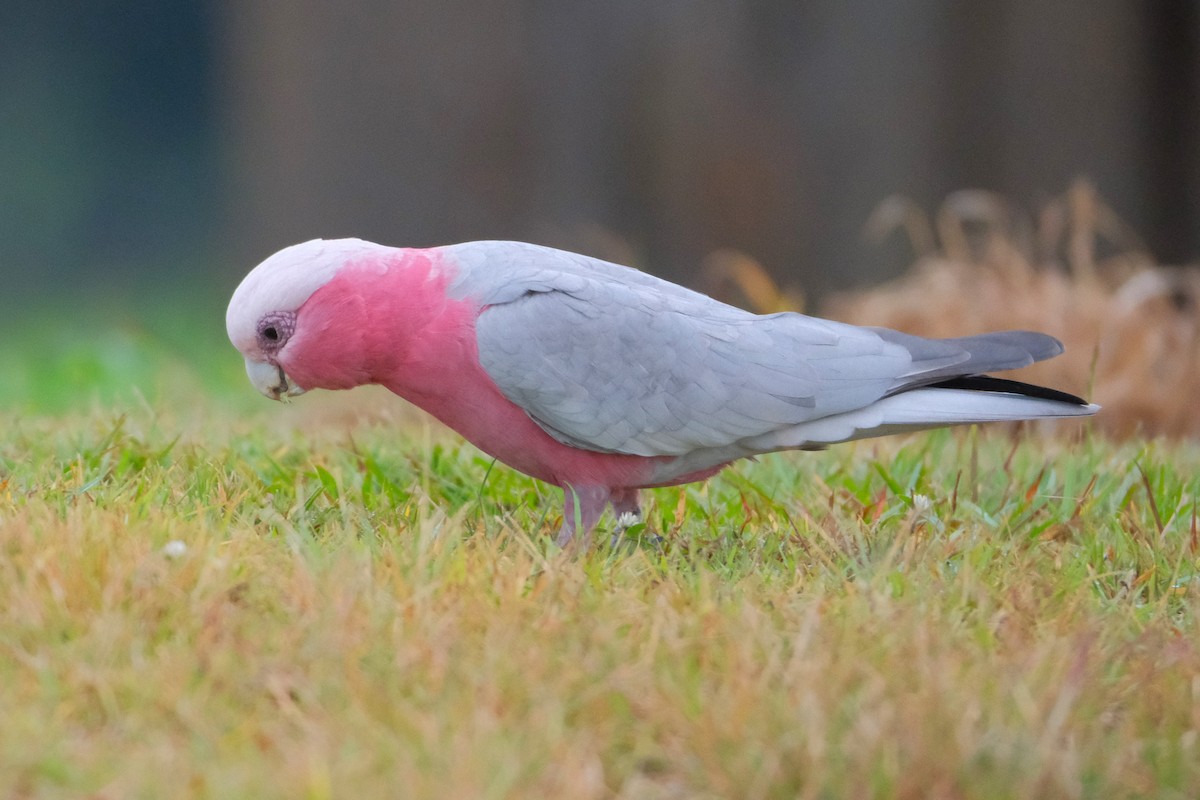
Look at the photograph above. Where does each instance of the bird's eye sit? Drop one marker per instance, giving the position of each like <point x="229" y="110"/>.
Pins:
<point x="275" y="329"/>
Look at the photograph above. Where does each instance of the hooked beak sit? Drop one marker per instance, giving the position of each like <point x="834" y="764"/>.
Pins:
<point x="271" y="380"/>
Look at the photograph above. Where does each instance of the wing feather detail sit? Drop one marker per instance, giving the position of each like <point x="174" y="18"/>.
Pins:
<point x="617" y="363"/>
<point x="610" y="359"/>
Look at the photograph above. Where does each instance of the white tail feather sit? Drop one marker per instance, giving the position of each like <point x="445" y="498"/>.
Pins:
<point x="922" y="408"/>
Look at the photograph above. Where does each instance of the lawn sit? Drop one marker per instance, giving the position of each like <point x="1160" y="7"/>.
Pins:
<point x="206" y="594"/>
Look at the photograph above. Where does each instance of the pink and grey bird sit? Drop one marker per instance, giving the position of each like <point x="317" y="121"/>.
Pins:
<point x="601" y="379"/>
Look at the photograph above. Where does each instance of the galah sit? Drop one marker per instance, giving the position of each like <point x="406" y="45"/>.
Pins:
<point x="601" y="379"/>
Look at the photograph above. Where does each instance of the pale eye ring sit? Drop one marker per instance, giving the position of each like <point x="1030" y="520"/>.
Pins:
<point x="275" y="328"/>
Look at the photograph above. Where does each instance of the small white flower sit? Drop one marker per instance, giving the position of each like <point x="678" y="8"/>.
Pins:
<point x="921" y="503"/>
<point x="628" y="519"/>
<point x="174" y="549"/>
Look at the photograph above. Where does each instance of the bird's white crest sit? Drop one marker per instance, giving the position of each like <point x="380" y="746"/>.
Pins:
<point x="285" y="280"/>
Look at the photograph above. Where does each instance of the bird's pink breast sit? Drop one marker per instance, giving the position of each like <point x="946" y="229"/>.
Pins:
<point x="421" y="344"/>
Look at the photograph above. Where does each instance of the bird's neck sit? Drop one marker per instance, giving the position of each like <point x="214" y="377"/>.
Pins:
<point x="374" y="321"/>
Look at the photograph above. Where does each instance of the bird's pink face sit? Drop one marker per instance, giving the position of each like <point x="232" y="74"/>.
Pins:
<point x="289" y="343"/>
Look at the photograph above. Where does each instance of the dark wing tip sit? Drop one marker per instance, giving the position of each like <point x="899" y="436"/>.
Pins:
<point x="986" y="383"/>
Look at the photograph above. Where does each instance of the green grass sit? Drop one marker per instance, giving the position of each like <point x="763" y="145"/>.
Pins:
<point x="206" y="594"/>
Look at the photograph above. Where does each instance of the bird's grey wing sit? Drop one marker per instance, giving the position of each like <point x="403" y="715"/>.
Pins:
<point x="622" y="367"/>
<point x="608" y="358"/>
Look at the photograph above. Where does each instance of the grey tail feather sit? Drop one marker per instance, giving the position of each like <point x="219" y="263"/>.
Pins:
<point x="937" y="360"/>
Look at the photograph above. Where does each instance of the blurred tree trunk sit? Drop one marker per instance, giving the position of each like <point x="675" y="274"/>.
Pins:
<point x="680" y="127"/>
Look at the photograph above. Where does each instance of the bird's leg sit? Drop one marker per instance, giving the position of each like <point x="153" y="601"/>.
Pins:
<point x="582" y="507"/>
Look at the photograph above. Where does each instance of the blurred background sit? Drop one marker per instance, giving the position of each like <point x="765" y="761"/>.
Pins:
<point x="145" y="137"/>
<point x="152" y="149"/>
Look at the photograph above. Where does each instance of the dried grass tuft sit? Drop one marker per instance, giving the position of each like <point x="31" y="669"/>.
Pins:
<point x="1131" y="327"/>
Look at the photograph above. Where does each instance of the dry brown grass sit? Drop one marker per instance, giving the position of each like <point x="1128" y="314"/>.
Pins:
<point x="1131" y="328"/>
<point x="354" y="613"/>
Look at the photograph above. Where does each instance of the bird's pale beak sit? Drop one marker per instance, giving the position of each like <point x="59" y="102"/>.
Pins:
<point x="271" y="380"/>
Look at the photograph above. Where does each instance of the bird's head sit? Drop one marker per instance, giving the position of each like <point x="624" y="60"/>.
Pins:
<point x="292" y="335"/>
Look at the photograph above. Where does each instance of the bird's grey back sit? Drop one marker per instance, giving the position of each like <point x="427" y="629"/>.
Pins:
<point x="611" y="359"/>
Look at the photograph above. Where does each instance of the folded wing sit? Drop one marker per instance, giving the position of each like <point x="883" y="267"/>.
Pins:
<point x="610" y="359"/>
